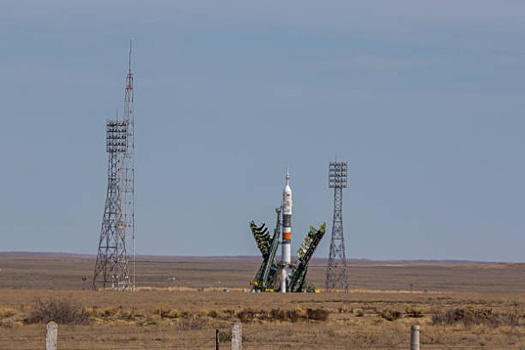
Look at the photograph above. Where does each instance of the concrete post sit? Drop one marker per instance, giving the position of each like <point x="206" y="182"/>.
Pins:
<point x="51" y="336"/>
<point x="237" y="337"/>
<point x="414" y="337"/>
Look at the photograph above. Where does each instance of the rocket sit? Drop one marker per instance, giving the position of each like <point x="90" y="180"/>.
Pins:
<point x="287" y="231"/>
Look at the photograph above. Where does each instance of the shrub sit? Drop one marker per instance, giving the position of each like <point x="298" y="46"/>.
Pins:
<point x="249" y="315"/>
<point x="413" y="313"/>
<point x="318" y="314"/>
<point x="390" y="315"/>
<point x="166" y="312"/>
<point x="225" y="336"/>
<point x="59" y="310"/>
<point x="130" y="314"/>
<point x="467" y="317"/>
<point x="222" y="314"/>
<point x="5" y="313"/>
<point x="284" y="315"/>
<point x="293" y="315"/>
<point x="108" y="312"/>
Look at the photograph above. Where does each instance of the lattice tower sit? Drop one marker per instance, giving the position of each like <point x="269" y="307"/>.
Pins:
<point x="114" y="268"/>
<point x="337" y="273"/>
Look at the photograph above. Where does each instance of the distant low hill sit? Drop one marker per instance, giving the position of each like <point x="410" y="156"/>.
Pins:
<point x="242" y="257"/>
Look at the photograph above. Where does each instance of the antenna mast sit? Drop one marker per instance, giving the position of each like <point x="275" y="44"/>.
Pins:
<point x="129" y="166"/>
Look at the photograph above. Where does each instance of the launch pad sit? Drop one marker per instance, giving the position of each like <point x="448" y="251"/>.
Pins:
<point x="285" y="277"/>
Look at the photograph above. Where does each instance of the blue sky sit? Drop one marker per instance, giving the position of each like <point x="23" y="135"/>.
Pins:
<point x="423" y="99"/>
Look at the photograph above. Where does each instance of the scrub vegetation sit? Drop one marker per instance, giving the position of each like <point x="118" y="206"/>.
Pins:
<point x="481" y="306"/>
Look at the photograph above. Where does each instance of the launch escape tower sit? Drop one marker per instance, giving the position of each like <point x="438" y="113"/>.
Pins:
<point x="113" y="267"/>
<point x="336" y="273"/>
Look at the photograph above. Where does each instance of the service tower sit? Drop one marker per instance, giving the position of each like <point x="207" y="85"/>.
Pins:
<point x="287" y="233"/>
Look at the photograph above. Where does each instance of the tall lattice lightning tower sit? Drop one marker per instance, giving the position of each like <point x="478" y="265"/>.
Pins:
<point x="336" y="273"/>
<point x="114" y="268"/>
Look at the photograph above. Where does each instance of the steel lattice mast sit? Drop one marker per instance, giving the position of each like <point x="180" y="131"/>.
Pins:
<point x="336" y="273"/>
<point x="113" y="267"/>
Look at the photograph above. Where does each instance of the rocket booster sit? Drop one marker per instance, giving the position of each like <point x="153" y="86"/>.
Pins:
<point x="287" y="221"/>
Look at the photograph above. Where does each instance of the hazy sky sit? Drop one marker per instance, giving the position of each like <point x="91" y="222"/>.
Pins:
<point x="424" y="99"/>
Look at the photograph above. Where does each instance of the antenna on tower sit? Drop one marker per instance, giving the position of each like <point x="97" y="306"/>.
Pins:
<point x="129" y="57"/>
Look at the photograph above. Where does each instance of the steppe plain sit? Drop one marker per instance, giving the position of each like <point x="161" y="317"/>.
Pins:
<point x="181" y="302"/>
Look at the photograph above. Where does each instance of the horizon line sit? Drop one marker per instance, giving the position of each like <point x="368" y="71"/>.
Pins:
<point x="463" y="261"/>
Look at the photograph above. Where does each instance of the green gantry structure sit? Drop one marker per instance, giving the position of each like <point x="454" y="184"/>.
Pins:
<point x="267" y="277"/>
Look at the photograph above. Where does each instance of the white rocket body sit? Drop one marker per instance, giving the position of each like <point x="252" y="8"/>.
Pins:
<point x="287" y="231"/>
<point x="283" y="280"/>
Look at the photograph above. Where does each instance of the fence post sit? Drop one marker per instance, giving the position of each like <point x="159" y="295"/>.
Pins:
<point x="414" y="337"/>
<point x="237" y="337"/>
<point x="216" y="339"/>
<point x="51" y="336"/>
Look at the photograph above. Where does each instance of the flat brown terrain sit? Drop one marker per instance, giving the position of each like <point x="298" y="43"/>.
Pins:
<point x="180" y="303"/>
<point x="65" y="272"/>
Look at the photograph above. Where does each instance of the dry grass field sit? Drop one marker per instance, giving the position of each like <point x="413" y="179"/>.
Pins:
<point x="181" y="302"/>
